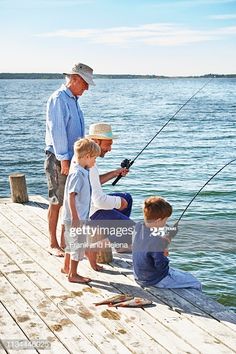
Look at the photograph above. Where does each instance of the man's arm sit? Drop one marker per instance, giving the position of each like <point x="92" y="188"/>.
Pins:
<point x="57" y="118"/>
<point x="112" y="174"/>
<point x="100" y="199"/>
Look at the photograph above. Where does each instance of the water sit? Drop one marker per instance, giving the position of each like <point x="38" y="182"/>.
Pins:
<point x="198" y="142"/>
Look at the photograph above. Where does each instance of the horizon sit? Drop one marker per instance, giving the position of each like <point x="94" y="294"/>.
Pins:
<point x="121" y="74"/>
<point x="145" y="37"/>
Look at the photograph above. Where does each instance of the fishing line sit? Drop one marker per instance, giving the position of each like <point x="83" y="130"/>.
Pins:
<point x="201" y="190"/>
<point x="128" y="163"/>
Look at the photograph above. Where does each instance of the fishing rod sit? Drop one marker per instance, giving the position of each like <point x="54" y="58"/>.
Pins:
<point x="126" y="163"/>
<point x="174" y="229"/>
<point x="202" y="189"/>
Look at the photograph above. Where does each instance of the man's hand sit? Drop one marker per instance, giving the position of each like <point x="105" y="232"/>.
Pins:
<point x="65" y="166"/>
<point x="124" y="204"/>
<point x="121" y="171"/>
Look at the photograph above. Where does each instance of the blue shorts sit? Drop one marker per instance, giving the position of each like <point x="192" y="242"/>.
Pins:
<point x="118" y="219"/>
<point x="177" y="279"/>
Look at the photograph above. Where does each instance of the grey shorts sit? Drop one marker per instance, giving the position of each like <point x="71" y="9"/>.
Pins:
<point x="56" y="181"/>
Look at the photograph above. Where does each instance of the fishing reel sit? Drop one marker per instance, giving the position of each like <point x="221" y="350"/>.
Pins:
<point x="126" y="163"/>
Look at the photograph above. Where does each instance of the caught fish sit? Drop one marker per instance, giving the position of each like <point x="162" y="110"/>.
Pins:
<point x="135" y="302"/>
<point x="115" y="299"/>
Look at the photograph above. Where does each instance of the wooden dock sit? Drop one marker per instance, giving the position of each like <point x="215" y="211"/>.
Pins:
<point x="38" y="303"/>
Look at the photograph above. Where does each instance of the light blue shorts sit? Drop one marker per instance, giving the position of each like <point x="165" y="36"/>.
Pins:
<point x="177" y="279"/>
<point x="76" y="245"/>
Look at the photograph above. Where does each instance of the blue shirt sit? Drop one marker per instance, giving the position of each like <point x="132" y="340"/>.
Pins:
<point x="77" y="182"/>
<point x="64" y="123"/>
<point x="150" y="264"/>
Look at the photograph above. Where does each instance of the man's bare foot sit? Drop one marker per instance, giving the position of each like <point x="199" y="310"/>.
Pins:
<point x="78" y="279"/>
<point x="56" y="251"/>
<point x="97" y="267"/>
<point x="92" y="257"/>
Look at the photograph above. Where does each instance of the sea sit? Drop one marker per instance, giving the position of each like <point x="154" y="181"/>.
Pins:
<point x="196" y="143"/>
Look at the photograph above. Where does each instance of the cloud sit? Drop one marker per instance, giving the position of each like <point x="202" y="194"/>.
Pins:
<point x="158" y="34"/>
<point x="192" y="3"/>
<point x="223" y="17"/>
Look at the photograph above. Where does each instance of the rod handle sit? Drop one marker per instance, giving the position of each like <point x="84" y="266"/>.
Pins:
<point x="116" y="180"/>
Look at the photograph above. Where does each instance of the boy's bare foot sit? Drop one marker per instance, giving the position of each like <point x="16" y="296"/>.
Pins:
<point x="56" y="251"/>
<point x="64" y="271"/>
<point x="78" y="279"/>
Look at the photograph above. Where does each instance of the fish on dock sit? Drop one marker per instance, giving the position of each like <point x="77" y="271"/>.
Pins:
<point x="115" y="299"/>
<point x="135" y="302"/>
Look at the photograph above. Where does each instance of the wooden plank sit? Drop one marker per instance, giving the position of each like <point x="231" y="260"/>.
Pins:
<point x="221" y="333"/>
<point x="200" y="321"/>
<point x="135" y="343"/>
<point x="107" y="285"/>
<point x="160" y="312"/>
<point x="78" y="313"/>
<point x="211" y="307"/>
<point x="150" y="324"/>
<point x="18" y="213"/>
<point x="200" y="300"/>
<point x="37" y="314"/>
<point x="5" y="200"/>
<point x="165" y="335"/>
<point x="9" y="330"/>
<point x="14" y="215"/>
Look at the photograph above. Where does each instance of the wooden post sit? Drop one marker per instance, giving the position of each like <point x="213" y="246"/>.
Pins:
<point x="18" y="188"/>
<point x="104" y="255"/>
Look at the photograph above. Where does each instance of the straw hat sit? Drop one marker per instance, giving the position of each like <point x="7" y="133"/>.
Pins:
<point x="101" y="131"/>
<point x="84" y="71"/>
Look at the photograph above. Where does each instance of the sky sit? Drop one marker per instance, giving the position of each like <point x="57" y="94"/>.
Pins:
<point x="156" y="37"/>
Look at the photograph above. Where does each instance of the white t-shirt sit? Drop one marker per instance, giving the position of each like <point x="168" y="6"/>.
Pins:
<point x="101" y="200"/>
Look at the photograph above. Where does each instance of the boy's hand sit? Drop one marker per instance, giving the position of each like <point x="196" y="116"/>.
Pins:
<point x="76" y="222"/>
<point x="171" y="233"/>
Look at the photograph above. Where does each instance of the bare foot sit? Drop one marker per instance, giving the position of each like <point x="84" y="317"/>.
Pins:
<point x="78" y="279"/>
<point x="64" y="271"/>
<point x="97" y="267"/>
<point x="56" y="251"/>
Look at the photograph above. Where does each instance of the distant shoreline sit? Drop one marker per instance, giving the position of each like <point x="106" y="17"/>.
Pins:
<point x="108" y="76"/>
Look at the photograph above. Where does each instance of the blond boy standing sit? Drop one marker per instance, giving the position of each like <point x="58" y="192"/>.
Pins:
<point x="77" y="199"/>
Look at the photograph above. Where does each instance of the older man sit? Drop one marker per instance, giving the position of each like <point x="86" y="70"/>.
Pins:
<point x="64" y="125"/>
<point x="108" y="207"/>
